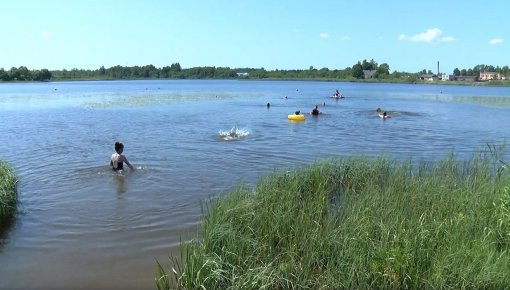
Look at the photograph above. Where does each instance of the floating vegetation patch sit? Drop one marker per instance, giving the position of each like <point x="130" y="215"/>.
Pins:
<point x="493" y="101"/>
<point x="153" y="99"/>
<point x="483" y="100"/>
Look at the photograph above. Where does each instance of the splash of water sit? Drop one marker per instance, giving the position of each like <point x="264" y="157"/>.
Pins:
<point x="233" y="134"/>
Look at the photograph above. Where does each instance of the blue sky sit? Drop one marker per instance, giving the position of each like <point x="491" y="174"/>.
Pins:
<point x="408" y="35"/>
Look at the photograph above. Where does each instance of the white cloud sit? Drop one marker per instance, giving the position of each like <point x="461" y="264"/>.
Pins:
<point x="431" y="35"/>
<point x="324" y="35"/>
<point x="46" y="35"/>
<point x="346" y="37"/>
<point x="495" y="41"/>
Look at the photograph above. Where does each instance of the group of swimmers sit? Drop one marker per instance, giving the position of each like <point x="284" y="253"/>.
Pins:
<point x="337" y="94"/>
<point x="383" y="115"/>
<point x="315" y="110"/>
<point x="118" y="159"/>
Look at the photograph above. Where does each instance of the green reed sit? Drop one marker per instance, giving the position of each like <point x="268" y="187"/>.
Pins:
<point x="7" y="192"/>
<point x="356" y="223"/>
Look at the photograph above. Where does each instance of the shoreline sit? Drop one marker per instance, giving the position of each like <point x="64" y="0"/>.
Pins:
<point x="498" y="83"/>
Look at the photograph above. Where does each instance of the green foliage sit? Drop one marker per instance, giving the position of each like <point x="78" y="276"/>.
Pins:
<point x="357" y="71"/>
<point x="23" y="74"/>
<point x="383" y="70"/>
<point x="356" y="223"/>
<point x="8" y="194"/>
<point x="175" y="71"/>
<point x="372" y="65"/>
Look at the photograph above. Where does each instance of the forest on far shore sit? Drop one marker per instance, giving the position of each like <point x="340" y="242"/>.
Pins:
<point x="359" y="71"/>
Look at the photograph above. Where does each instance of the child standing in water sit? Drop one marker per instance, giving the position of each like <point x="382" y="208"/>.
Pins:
<point x="118" y="159"/>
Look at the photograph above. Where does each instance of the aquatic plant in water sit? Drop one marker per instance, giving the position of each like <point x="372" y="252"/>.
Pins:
<point x="8" y="194"/>
<point x="356" y="223"/>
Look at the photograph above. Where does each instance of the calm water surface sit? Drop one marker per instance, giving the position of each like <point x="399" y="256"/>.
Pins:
<point x="82" y="227"/>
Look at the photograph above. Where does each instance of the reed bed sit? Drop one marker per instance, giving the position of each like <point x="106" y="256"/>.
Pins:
<point x="8" y="194"/>
<point x="355" y="223"/>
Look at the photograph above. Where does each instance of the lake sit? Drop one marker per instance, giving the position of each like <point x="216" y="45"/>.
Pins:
<point x="81" y="226"/>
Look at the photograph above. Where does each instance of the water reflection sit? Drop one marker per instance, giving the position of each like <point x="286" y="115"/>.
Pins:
<point x="119" y="182"/>
<point x="6" y="226"/>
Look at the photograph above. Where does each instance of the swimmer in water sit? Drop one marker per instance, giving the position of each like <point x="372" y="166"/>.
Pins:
<point x="118" y="159"/>
<point x="384" y="115"/>
<point x="315" y="111"/>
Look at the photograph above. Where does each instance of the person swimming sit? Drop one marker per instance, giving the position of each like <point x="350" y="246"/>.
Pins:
<point x="384" y="115"/>
<point x="117" y="159"/>
<point x="315" y="111"/>
<point x="338" y="95"/>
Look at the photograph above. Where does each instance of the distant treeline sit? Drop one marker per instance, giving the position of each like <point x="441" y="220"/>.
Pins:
<point x="475" y="71"/>
<point x="22" y="73"/>
<point x="360" y="70"/>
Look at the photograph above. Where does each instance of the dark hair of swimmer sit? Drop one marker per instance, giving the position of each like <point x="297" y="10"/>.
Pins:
<point x="119" y="147"/>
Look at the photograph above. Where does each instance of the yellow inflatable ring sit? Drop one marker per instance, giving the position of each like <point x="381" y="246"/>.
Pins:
<point x="294" y="117"/>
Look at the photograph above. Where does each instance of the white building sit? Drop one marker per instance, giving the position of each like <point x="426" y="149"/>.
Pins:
<point x="447" y="77"/>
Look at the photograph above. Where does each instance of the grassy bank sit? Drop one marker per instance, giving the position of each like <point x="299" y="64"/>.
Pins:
<point x="7" y="193"/>
<point x="356" y="223"/>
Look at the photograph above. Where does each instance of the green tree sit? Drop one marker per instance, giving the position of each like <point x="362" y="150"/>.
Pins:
<point x="176" y="67"/>
<point x="372" y="65"/>
<point x="456" y="72"/>
<point x="396" y="75"/>
<point x="41" y="75"/>
<point x="357" y="71"/>
<point x="20" y="74"/>
<point x="505" y="71"/>
<point x="383" y="70"/>
<point x="323" y="72"/>
<point x="4" y="76"/>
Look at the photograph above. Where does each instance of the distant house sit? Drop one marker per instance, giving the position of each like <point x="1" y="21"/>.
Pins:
<point x="243" y="74"/>
<point x="447" y="77"/>
<point x="368" y="74"/>
<point x="486" y="76"/>
<point x="429" y="77"/>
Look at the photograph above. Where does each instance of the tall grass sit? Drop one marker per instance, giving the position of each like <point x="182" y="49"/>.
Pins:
<point x="7" y="193"/>
<point x="356" y="223"/>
